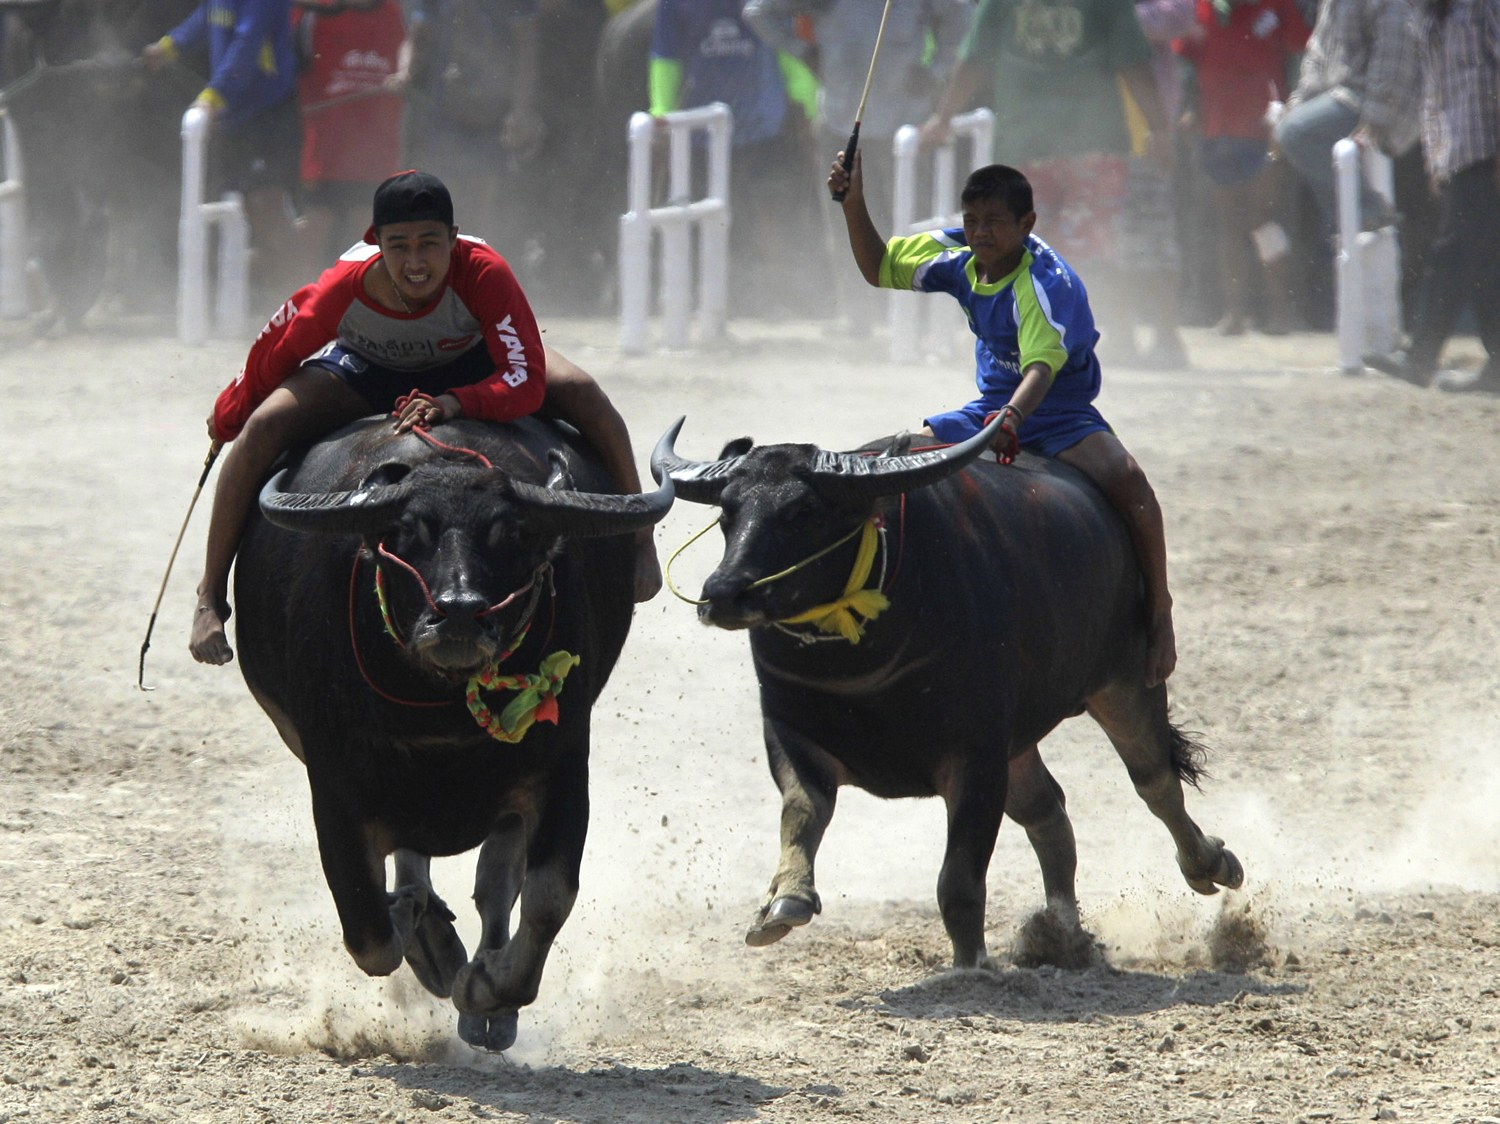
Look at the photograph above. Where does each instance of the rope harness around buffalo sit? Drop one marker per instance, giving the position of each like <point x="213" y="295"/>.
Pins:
<point x="838" y="619"/>
<point x="536" y="698"/>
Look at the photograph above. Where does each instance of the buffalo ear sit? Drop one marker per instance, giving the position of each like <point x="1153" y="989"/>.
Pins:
<point x="561" y="476"/>
<point x="737" y="448"/>
<point x="898" y="445"/>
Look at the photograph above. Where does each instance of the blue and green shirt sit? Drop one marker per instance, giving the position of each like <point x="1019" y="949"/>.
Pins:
<point x="1039" y="313"/>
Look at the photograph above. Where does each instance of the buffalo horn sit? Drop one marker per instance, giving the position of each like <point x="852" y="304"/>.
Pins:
<point x="563" y="511"/>
<point x="697" y="481"/>
<point x="361" y="511"/>
<point x="856" y="477"/>
<point x="846" y="475"/>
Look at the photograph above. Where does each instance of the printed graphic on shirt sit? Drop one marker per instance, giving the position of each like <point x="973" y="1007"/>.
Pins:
<point x="1048" y="30"/>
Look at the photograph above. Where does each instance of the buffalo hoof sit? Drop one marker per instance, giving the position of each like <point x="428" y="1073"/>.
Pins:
<point x="435" y="952"/>
<point x="780" y="918"/>
<point x="1226" y="873"/>
<point x="494" y="1033"/>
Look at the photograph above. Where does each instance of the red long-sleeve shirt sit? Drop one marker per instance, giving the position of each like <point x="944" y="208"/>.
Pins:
<point x="481" y="305"/>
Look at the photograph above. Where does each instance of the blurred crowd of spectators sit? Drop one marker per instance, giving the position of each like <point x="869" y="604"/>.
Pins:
<point x="1180" y="150"/>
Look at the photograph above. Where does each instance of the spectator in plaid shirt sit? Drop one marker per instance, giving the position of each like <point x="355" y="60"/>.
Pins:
<point x="1461" y="144"/>
<point x="1359" y="78"/>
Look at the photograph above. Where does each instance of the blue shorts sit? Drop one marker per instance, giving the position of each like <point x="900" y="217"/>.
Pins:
<point x="381" y="386"/>
<point x="1228" y="161"/>
<point x="1048" y="431"/>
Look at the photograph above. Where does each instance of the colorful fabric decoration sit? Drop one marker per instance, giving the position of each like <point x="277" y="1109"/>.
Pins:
<point x="536" y="701"/>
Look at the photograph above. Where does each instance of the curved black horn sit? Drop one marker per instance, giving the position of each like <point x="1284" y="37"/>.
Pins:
<point x="360" y="511"/>
<point x="589" y="514"/>
<point x="697" y="481"/>
<point x="856" y="477"/>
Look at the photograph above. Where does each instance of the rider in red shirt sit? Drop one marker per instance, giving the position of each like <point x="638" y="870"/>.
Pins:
<point x="416" y="307"/>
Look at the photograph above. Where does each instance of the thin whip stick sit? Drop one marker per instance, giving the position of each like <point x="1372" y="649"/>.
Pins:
<point x="859" y="115"/>
<point x="208" y="463"/>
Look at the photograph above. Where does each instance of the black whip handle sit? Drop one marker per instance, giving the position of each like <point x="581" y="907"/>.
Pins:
<point x="848" y="161"/>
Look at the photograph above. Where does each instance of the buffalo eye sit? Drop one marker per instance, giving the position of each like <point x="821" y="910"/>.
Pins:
<point x="425" y="531"/>
<point x="804" y="509"/>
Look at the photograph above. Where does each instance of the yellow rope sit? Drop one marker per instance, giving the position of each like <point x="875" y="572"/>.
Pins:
<point x="838" y="616"/>
<point x="677" y="593"/>
<point x="834" y="616"/>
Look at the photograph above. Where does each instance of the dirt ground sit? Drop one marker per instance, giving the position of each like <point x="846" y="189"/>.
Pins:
<point x="168" y="950"/>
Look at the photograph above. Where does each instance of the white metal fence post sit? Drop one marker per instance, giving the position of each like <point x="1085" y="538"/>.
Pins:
<point x="1368" y="266"/>
<point x="14" y="303"/>
<point x="195" y="221"/>
<point x="635" y="240"/>
<point x="911" y="320"/>
<point x="678" y="220"/>
<point x="713" y="233"/>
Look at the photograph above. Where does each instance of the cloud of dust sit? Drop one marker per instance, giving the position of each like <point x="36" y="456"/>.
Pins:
<point x="1434" y="828"/>
<point x="675" y="867"/>
<point x="665" y="895"/>
<point x="305" y="992"/>
<point x="1431" y="826"/>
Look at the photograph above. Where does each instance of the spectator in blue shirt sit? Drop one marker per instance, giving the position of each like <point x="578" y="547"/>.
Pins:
<point x="251" y="100"/>
<point x="703" y="51"/>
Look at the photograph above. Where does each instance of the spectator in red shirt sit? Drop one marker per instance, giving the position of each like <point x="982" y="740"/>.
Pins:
<point x="1242" y="50"/>
<point x="415" y="307"/>
<point x="352" y="57"/>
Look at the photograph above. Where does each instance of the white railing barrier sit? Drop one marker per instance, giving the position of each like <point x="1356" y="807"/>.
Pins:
<point x="677" y="220"/>
<point x="195" y="223"/>
<point x="14" y="302"/>
<point x="1369" y="261"/>
<point x="912" y="321"/>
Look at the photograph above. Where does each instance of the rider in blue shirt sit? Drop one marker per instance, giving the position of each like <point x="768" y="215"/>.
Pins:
<point x="1034" y="351"/>
<point x="1038" y="312"/>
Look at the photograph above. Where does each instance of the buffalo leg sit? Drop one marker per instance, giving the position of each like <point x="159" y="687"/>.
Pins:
<point x="1159" y="758"/>
<point x="1035" y="800"/>
<point x="1054" y="935"/>
<point x="435" y="953"/>
<point x="506" y="971"/>
<point x="498" y="879"/>
<point x="975" y="804"/>
<point x="355" y="872"/>
<point x="808" y="796"/>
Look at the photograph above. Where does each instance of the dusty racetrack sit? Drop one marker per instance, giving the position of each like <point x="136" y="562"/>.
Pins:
<point x="169" y="950"/>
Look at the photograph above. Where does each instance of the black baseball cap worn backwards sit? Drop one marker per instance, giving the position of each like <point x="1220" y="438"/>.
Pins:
<point x="410" y="196"/>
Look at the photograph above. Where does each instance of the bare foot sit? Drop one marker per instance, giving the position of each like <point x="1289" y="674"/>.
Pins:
<point x="647" y="569"/>
<point x="209" y="643"/>
<point x="1161" y="650"/>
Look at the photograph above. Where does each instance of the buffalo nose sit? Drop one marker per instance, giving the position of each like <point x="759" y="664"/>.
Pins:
<point x="461" y="606"/>
<point x="723" y="586"/>
<point x="728" y="601"/>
